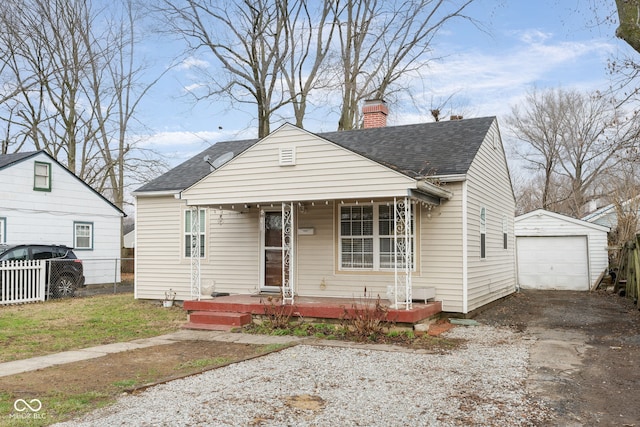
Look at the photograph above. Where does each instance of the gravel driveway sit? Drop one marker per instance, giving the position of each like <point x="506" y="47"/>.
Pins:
<point x="540" y="358"/>
<point x="482" y="383"/>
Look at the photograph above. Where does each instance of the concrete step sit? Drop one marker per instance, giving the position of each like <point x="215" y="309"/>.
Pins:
<point x="207" y="327"/>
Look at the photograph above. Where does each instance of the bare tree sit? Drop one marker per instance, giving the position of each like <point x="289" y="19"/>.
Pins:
<point x="383" y="41"/>
<point x="77" y="86"/>
<point x="275" y="53"/>
<point x="309" y="37"/>
<point x="114" y="88"/>
<point x="538" y="126"/>
<point x="572" y="139"/>
<point x="247" y="38"/>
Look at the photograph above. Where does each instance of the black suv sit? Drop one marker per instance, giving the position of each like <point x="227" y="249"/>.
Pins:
<point x="65" y="272"/>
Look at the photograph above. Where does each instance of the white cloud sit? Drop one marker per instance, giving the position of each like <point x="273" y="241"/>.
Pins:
<point x="532" y="36"/>
<point x="490" y="83"/>
<point x="168" y="139"/>
<point x="193" y="87"/>
<point x="178" y="146"/>
<point x="192" y="62"/>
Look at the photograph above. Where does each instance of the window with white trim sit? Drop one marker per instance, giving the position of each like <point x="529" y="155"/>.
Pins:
<point x="367" y="238"/>
<point x="188" y="233"/>
<point x="42" y="176"/>
<point x="83" y="235"/>
<point x="3" y="230"/>
<point x="483" y="233"/>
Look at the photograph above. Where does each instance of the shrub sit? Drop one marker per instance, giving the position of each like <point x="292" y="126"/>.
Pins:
<point x="367" y="318"/>
<point x="278" y="315"/>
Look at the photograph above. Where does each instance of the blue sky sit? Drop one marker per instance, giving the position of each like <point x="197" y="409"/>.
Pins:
<point x="526" y="43"/>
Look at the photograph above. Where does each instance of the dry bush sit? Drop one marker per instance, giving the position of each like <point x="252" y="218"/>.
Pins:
<point x="278" y="315"/>
<point x="367" y="318"/>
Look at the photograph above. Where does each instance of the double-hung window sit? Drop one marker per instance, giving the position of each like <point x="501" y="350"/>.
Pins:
<point x="367" y="238"/>
<point x="42" y="176"/>
<point x="83" y="235"/>
<point x="188" y="232"/>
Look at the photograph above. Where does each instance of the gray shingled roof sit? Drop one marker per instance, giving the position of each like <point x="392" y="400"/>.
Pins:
<point x="194" y="169"/>
<point x="442" y="148"/>
<point x="9" y="159"/>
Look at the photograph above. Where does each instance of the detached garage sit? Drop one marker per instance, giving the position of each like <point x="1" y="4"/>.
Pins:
<point x="559" y="252"/>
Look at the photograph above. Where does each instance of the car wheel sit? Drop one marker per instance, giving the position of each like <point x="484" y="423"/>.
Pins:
<point x="65" y="287"/>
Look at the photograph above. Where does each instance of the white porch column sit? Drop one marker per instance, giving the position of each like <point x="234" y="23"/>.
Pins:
<point x="195" y="253"/>
<point x="403" y="253"/>
<point x="288" y="252"/>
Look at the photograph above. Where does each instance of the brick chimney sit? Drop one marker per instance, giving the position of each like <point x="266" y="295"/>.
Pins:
<point x="375" y="113"/>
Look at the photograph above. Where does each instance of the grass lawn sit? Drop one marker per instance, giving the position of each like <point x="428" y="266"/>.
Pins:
<point x="71" y="390"/>
<point x="31" y="330"/>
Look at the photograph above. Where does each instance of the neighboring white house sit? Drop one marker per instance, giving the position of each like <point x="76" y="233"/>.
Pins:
<point x="129" y="240"/>
<point x="41" y="201"/>
<point x="559" y="252"/>
<point x="607" y="216"/>
<point x="306" y="214"/>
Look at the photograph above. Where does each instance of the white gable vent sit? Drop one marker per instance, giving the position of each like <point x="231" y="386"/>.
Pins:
<point x="287" y="156"/>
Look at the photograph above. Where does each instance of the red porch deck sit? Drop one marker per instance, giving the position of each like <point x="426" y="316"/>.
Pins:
<point x="226" y="312"/>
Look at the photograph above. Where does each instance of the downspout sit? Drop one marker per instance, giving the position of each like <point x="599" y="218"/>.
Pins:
<point x="465" y="251"/>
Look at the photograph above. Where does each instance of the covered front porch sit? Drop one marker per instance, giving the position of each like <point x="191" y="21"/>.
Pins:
<point x="234" y="311"/>
<point x="327" y="249"/>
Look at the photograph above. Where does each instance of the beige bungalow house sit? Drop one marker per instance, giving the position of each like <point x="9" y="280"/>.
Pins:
<point x="403" y="211"/>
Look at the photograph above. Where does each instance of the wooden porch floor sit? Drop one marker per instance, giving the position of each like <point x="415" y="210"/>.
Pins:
<point x="226" y="312"/>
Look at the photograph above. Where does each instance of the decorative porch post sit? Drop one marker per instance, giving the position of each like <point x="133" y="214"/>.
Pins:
<point x="195" y="253"/>
<point x="403" y="253"/>
<point x="288" y="277"/>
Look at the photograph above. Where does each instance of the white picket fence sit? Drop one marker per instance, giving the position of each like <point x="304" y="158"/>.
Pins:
<point x="22" y="281"/>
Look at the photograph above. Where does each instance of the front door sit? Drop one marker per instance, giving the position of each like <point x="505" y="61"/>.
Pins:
<point x="272" y="252"/>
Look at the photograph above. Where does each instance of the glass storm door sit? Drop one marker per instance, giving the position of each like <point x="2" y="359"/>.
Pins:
<point x="272" y="253"/>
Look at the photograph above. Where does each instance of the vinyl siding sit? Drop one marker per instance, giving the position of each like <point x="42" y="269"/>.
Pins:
<point x="158" y="249"/>
<point x="318" y="269"/>
<point x="489" y="186"/>
<point x="323" y="171"/>
<point x="542" y="223"/>
<point x="441" y="250"/>
<point x="439" y="256"/>
<point x="48" y="217"/>
<point x="325" y="175"/>
<point x="231" y="262"/>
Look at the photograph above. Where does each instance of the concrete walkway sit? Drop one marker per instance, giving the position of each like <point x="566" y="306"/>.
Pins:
<point x="41" y="362"/>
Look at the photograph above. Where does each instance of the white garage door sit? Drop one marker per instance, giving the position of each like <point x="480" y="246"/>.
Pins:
<point x="553" y="263"/>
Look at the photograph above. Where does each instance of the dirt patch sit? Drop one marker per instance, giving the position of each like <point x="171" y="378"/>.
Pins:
<point x="586" y="358"/>
<point x="305" y="402"/>
<point x="102" y="379"/>
<point x="440" y="327"/>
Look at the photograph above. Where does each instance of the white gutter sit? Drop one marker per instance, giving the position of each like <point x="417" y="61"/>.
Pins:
<point x="434" y="190"/>
<point x="175" y="193"/>
<point x="450" y="178"/>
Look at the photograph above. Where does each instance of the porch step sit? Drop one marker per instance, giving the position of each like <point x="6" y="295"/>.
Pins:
<point x="217" y="320"/>
<point x="207" y="327"/>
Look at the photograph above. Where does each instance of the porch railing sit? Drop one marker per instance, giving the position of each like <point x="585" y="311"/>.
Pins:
<point x="22" y="281"/>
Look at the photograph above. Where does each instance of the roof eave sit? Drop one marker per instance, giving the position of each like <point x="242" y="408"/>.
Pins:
<point x="450" y="178"/>
<point x="174" y="193"/>
<point x="434" y="190"/>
